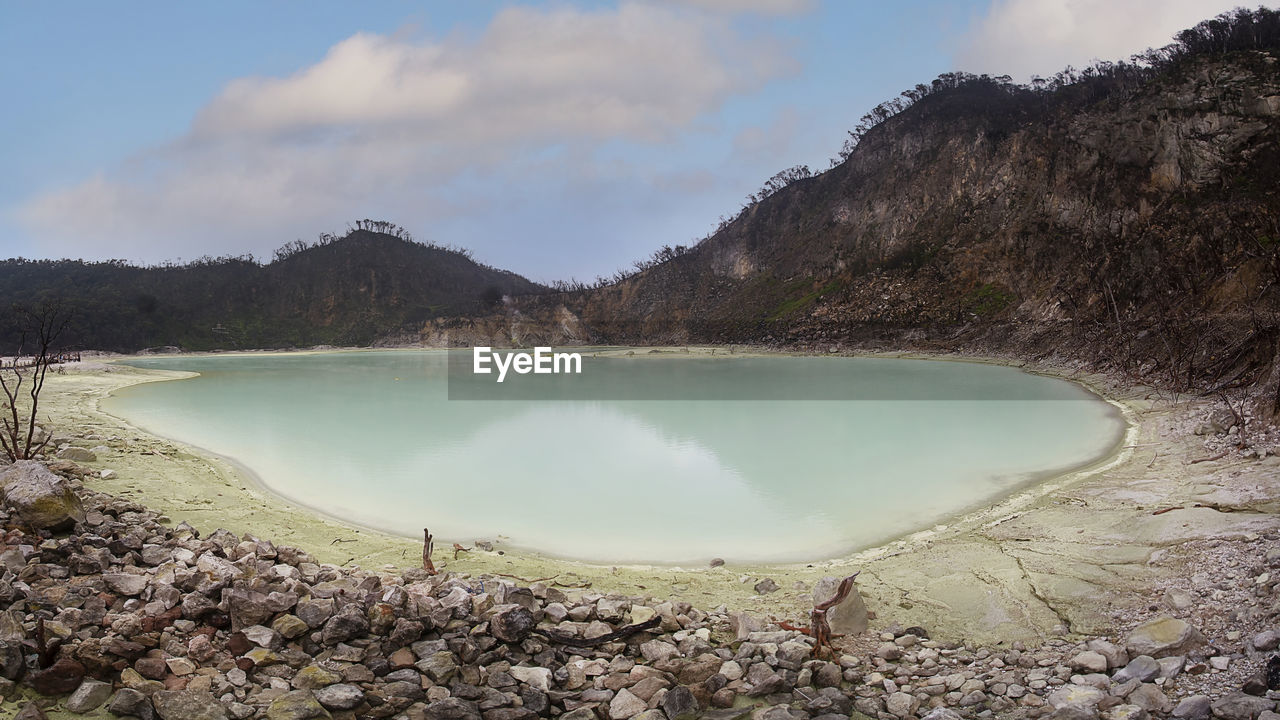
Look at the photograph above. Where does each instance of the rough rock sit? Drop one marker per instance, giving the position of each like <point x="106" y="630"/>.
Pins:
<point x="30" y="711"/>
<point x="1239" y="706"/>
<point x="296" y="705"/>
<point x="88" y="696"/>
<point x="625" y="705"/>
<point x="60" y="678"/>
<point x="125" y="583"/>
<point x="679" y="704"/>
<point x="340" y="696"/>
<point x="187" y="705"/>
<point x="537" y="678"/>
<point x="1150" y="697"/>
<point x="1081" y="695"/>
<point x="42" y="499"/>
<point x="1162" y="637"/>
<point x="348" y="624"/>
<point x="1115" y="655"/>
<point x="131" y="703"/>
<point x="1089" y="661"/>
<point x="847" y="618"/>
<point x="766" y="586"/>
<point x="901" y="704"/>
<point x="455" y="709"/>
<point x="77" y="454"/>
<point x="1142" y="668"/>
<point x="1266" y="641"/>
<point x="511" y="623"/>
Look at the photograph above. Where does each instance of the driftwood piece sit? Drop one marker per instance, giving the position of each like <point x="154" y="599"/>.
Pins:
<point x="527" y="580"/>
<point x="427" y="547"/>
<point x="819" y="628"/>
<point x="1219" y="456"/>
<point x="620" y="633"/>
<point x="46" y="649"/>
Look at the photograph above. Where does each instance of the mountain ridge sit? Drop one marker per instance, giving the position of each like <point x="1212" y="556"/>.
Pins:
<point x="1128" y="219"/>
<point x="351" y="290"/>
<point x="1127" y="215"/>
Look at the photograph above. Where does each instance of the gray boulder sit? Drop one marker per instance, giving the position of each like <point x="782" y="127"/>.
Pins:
<point x="1238" y="706"/>
<point x="131" y="703"/>
<point x="1196" y="707"/>
<point x="348" y="624"/>
<point x="1143" y="668"/>
<point x="12" y="664"/>
<point x="1149" y="697"/>
<point x="1074" y="712"/>
<point x="1128" y="712"/>
<point x="186" y="705"/>
<point x="296" y="705"/>
<point x="679" y="704"/>
<point x="124" y="583"/>
<point x="511" y="623"/>
<point x="30" y="712"/>
<point x="1267" y="640"/>
<point x="88" y="696"/>
<point x="77" y="454"/>
<point x="1162" y="637"/>
<point x="340" y="696"/>
<point x="42" y="499"/>
<point x="452" y="708"/>
<point x="847" y="618"/>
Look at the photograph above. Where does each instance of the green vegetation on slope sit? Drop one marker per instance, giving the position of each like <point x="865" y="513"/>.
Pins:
<point x="343" y="291"/>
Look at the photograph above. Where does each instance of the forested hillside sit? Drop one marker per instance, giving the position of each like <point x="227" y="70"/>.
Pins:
<point x="351" y="290"/>
<point x="1128" y="213"/>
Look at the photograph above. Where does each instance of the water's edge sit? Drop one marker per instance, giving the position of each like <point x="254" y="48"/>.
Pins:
<point x="984" y="512"/>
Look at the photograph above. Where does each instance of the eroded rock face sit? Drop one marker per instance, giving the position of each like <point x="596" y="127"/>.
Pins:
<point x="41" y="499"/>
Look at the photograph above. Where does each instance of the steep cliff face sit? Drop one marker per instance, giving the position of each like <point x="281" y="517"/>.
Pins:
<point x="1137" y="226"/>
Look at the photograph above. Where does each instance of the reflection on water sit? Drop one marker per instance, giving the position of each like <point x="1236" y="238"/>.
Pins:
<point x="371" y="437"/>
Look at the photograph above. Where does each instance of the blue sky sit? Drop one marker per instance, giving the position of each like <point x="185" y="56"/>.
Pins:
<point x="555" y="139"/>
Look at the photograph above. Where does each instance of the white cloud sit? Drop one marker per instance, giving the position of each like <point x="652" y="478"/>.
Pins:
<point x="1040" y="37"/>
<point x="394" y="126"/>
<point x="758" y="7"/>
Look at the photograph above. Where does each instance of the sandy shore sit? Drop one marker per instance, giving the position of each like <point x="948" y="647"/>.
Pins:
<point x="1078" y="554"/>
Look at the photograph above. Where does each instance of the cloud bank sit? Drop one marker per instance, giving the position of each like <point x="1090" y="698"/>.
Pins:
<point x="382" y="124"/>
<point x="1022" y="38"/>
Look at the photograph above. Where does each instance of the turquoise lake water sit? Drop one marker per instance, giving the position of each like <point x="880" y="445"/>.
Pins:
<point x="821" y="456"/>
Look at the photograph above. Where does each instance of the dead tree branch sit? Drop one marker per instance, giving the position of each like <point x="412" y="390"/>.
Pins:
<point x="819" y="627"/>
<point x="44" y="324"/>
<point x="428" y="545"/>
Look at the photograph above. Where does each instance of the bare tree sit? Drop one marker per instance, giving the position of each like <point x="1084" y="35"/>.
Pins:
<point x="41" y="325"/>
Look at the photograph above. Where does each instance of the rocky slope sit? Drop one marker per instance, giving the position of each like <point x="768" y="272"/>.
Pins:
<point x="104" y="604"/>
<point x="1132" y="220"/>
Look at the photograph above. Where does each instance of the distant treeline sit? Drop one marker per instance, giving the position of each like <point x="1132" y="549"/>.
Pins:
<point x="341" y="290"/>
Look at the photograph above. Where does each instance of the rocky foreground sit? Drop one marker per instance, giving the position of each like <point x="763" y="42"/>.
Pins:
<point x="107" y="606"/>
